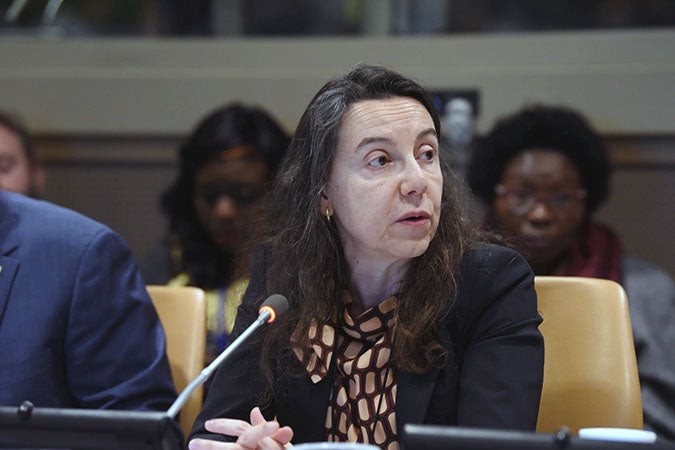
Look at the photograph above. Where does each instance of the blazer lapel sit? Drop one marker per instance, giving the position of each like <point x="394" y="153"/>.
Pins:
<point x="309" y="404"/>
<point x="8" y="265"/>
<point x="8" y="268"/>
<point x="413" y="394"/>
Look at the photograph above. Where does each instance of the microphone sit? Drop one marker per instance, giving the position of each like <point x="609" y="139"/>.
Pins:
<point x="272" y="307"/>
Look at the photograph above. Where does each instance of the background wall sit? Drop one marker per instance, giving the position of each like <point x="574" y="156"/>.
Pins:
<point x="109" y="114"/>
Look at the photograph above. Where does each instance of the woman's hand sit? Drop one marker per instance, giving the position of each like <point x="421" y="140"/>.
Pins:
<point x="257" y="435"/>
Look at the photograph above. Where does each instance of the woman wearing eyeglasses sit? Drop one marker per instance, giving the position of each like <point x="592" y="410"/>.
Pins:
<point x="542" y="173"/>
<point x="225" y="165"/>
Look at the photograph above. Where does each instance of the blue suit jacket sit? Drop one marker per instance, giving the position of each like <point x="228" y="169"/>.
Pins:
<point x="77" y="328"/>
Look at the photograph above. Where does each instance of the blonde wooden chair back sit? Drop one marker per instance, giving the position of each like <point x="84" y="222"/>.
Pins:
<point x="182" y="311"/>
<point x="590" y="370"/>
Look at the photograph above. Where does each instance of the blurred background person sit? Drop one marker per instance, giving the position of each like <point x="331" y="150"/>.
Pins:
<point x="225" y="166"/>
<point x="542" y="173"/>
<point x="458" y="130"/>
<point x="20" y="170"/>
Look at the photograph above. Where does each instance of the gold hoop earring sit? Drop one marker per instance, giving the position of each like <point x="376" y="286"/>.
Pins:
<point x="327" y="214"/>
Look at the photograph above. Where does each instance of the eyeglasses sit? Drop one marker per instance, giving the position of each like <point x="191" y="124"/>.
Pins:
<point x="521" y="200"/>
<point x="242" y="194"/>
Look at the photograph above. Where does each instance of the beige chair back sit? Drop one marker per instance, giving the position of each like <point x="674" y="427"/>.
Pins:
<point x="182" y="311"/>
<point x="590" y="369"/>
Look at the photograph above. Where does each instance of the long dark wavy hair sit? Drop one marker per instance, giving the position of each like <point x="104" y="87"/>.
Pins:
<point x="226" y="127"/>
<point x="305" y="260"/>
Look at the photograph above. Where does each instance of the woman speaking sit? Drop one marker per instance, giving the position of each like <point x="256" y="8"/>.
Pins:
<point x="399" y="313"/>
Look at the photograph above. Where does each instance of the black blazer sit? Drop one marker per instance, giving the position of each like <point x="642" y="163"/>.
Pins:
<point x="492" y="377"/>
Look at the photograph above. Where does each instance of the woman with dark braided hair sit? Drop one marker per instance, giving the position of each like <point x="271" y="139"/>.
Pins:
<point x="399" y="313"/>
<point x="225" y="166"/>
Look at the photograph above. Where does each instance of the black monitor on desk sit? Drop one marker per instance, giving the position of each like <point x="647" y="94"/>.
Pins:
<point x="57" y="428"/>
<point x="436" y="437"/>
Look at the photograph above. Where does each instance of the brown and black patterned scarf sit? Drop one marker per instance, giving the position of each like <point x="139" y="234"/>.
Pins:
<point x="362" y="405"/>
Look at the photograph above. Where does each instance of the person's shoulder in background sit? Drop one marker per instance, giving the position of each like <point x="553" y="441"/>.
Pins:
<point x="642" y="277"/>
<point x="651" y="300"/>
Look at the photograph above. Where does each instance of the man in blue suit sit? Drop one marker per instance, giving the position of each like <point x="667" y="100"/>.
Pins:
<point x="77" y="328"/>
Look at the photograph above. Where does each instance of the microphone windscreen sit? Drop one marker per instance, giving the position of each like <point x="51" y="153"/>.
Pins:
<point x="277" y="303"/>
